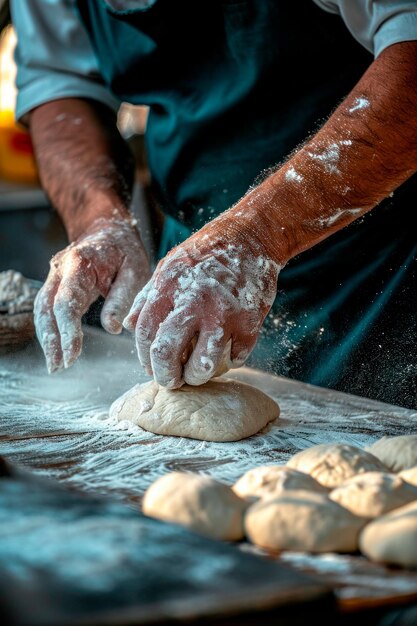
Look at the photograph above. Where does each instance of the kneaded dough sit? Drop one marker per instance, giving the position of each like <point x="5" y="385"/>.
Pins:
<point x="269" y="481"/>
<point x="392" y="538"/>
<point x="303" y="520"/>
<point x="397" y="453"/>
<point x="199" y="503"/>
<point x="373" y="493"/>
<point x="409" y="475"/>
<point x="332" y="463"/>
<point x="220" y="410"/>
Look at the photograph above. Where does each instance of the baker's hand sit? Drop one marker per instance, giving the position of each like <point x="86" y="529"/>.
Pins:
<point x="216" y="286"/>
<point x="108" y="259"/>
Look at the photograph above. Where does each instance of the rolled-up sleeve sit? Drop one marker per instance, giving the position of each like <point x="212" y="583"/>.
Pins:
<point x="54" y="56"/>
<point x="376" y="24"/>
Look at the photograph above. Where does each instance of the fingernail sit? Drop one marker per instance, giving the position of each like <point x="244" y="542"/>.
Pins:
<point x="128" y="324"/>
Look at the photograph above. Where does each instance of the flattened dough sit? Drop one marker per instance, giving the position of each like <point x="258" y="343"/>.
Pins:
<point x="333" y="463"/>
<point x="198" y="503"/>
<point x="269" y="481"/>
<point x="303" y="520"/>
<point x="373" y="493"/>
<point x="397" y="453"/>
<point x="220" y="410"/>
<point x="392" y="538"/>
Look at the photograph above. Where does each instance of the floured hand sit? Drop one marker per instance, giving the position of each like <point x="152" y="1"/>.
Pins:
<point x="108" y="259"/>
<point x="217" y="287"/>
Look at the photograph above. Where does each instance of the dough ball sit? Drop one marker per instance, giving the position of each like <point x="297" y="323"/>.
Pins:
<point x="269" y="481"/>
<point x="392" y="538"/>
<point x="373" y="493"/>
<point x="332" y="463"/>
<point x="198" y="503"/>
<point x="220" y="410"/>
<point x="397" y="453"/>
<point x="409" y="475"/>
<point x="303" y="520"/>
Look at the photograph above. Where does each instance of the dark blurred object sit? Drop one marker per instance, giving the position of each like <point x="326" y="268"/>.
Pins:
<point x="4" y="14"/>
<point x="4" y="468"/>
<point x="67" y="558"/>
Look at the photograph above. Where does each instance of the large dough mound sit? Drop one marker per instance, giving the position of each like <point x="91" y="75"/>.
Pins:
<point x="303" y="520"/>
<point x="373" y="494"/>
<point x="333" y="463"/>
<point x="392" y="538"/>
<point x="198" y="503"/>
<point x="397" y="453"/>
<point x="269" y="481"/>
<point x="220" y="410"/>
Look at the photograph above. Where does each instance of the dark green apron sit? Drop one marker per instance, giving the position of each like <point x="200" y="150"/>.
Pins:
<point x="233" y="87"/>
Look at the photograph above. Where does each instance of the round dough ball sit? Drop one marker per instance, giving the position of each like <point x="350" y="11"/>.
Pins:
<point x="198" y="503"/>
<point x="303" y="520"/>
<point x="373" y="493"/>
<point x="220" y="410"/>
<point x="392" y="538"/>
<point x="409" y="475"/>
<point x="397" y="453"/>
<point x="333" y="463"/>
<point x="268" y="481"/>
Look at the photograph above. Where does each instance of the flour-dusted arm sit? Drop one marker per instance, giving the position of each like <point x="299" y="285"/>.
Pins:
<point x="220" y="283"/>
<point x="86" y="169"/>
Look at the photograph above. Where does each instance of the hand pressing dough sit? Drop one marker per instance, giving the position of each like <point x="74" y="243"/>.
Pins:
<point x="333" y="463"/>
<point x="373" y="494"/>
<point x="220" y="410"/>
<point x="409" y="475"/>
<point x="269" y="481"/>
<point x="303" y="520"/>
<point x="392" y="538"/>
<point x="198" y="503"/>
<point x="397" y="453"/>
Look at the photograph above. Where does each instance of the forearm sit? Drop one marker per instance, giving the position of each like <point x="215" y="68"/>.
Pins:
<point x="85" y="166"/>
<point x="367" y="148"/>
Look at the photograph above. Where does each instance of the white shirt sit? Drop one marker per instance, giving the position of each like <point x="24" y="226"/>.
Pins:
<point x="55" y="58"/>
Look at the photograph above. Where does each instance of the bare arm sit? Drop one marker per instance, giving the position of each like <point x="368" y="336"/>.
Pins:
<point x="85" y="166"/>
<point x="87" y="171"/>
<point x="367" y="148"/>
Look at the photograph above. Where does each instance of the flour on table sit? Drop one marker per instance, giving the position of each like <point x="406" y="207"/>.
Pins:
<point x="397" y="453"/>
<point x="302" y="520"/>
<point x="373" y="494"/>
<point x="269" y="481"/>
<point x="220" y="410"/>
<point x="332" y="464"/>
<point x="199" y="503"/>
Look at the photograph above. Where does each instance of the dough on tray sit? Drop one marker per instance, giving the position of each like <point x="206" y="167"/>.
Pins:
<point x="199" y="503"/>
<point x="302" y="520"/>
<point x="373" y="494"/>
<point x="397" y="453"/>
<point x="392" y="538"/>
<point x="220" y="410"/>
<point x="268" y="481"/>
<point x="332" y="463"/>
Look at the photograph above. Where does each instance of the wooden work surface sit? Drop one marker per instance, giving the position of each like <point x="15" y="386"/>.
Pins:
<point x="57" y="426"/>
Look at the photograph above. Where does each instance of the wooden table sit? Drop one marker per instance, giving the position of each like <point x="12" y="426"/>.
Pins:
<point x="58" y="426"/>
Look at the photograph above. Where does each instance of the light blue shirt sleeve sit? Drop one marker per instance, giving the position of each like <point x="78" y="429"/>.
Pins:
<point x="376" y="24"/>
<point x="54" y="56"/>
